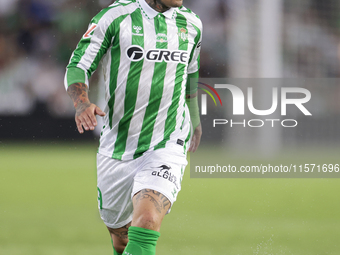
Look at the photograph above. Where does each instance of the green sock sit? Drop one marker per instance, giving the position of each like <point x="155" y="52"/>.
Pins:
<point x="142" y="241"/>
<point x="114" y="250"/>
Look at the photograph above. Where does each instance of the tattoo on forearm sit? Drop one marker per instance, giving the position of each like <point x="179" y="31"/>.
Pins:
<point x="159" y="200"/>
<point x="78" y="93"/>
<point x="157" y="5"/>
<point x="121" y="232"/>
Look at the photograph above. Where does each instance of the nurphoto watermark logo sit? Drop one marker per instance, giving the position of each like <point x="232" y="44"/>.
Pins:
<point x="279" y="97"/>
<point x="267" y="128"/>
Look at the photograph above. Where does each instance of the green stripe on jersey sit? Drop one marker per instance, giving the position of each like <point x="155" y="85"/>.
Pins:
<point x="197" y="39"/>
<point x="131" y="90"/>
<point x="156" y="92"/>
<point x="85" y="42"/>
<point x="183" y="119"/>
<point x="170" y="123"/>
<point x="115" y="61"/>
<point x="107" y="38"/>
<point x="102" y="51"/>
<point x="186" y="141"/>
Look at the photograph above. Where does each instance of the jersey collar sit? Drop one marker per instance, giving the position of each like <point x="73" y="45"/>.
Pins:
<point x="151" y="13"/>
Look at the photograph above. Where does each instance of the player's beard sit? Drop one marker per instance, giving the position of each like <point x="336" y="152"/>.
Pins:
<point x="164" y="7"/>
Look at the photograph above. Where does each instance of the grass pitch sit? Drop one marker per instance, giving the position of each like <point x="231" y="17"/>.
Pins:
<point x="48" y="205"/>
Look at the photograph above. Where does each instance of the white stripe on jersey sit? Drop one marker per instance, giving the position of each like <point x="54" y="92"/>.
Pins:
<point x="118" y="109"/>
<point x="179" y="117"/>
<point x="170" y="80"/>
<point x="106" y="63"/>
<point x="192" y="19"/>
<point x="193" y="65"/>
<point x="99" y="34"/>
<point x="144" y="89"/>
<point x="65" y="81"/>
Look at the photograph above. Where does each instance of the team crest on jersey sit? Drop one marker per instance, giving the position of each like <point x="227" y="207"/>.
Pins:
<point x="162" y="38"/>
<point x="183" y="34"/>
<point x="138" y="30"/>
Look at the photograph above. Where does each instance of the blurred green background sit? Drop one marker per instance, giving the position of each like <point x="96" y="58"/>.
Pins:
<point x="48" y="206"/>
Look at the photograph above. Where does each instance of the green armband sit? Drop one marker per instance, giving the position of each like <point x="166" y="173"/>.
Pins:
<point x="194" y="111"/>
<point x="191" y="86"/>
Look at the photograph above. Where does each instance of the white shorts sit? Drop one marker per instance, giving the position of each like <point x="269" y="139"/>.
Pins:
<point x="118" y="181"/>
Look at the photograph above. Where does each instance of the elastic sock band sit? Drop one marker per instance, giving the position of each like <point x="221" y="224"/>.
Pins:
<point x="141" y="241"/>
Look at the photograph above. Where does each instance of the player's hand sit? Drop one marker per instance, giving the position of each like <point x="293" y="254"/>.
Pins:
<point x="86" y="116"/>
<point x="196" y="139"/>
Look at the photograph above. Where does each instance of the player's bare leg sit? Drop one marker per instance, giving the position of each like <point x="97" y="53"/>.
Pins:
<point x="149" y="208"/>
<point x="119" y="237"/>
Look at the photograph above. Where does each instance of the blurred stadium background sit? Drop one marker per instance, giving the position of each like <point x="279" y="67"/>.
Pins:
<point x="47" y="170"/>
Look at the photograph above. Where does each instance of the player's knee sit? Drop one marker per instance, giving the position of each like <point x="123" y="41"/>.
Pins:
<point x="148" y="220"/>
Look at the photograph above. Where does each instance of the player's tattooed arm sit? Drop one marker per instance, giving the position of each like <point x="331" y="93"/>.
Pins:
<point x="85" y="111"/>
<point x="157" y="5"/>
<point x="79" y="95"/>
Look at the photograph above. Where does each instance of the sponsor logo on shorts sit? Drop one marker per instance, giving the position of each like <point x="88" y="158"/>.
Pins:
<point x="165" y="173"/>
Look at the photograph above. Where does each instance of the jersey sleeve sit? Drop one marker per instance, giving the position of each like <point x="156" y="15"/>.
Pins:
<point x="194" y="62"/>
<point x="191" y="86"/>
<point x="91" y="48"/>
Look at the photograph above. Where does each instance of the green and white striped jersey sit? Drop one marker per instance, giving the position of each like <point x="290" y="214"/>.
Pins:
<point x="146" y="57"/>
